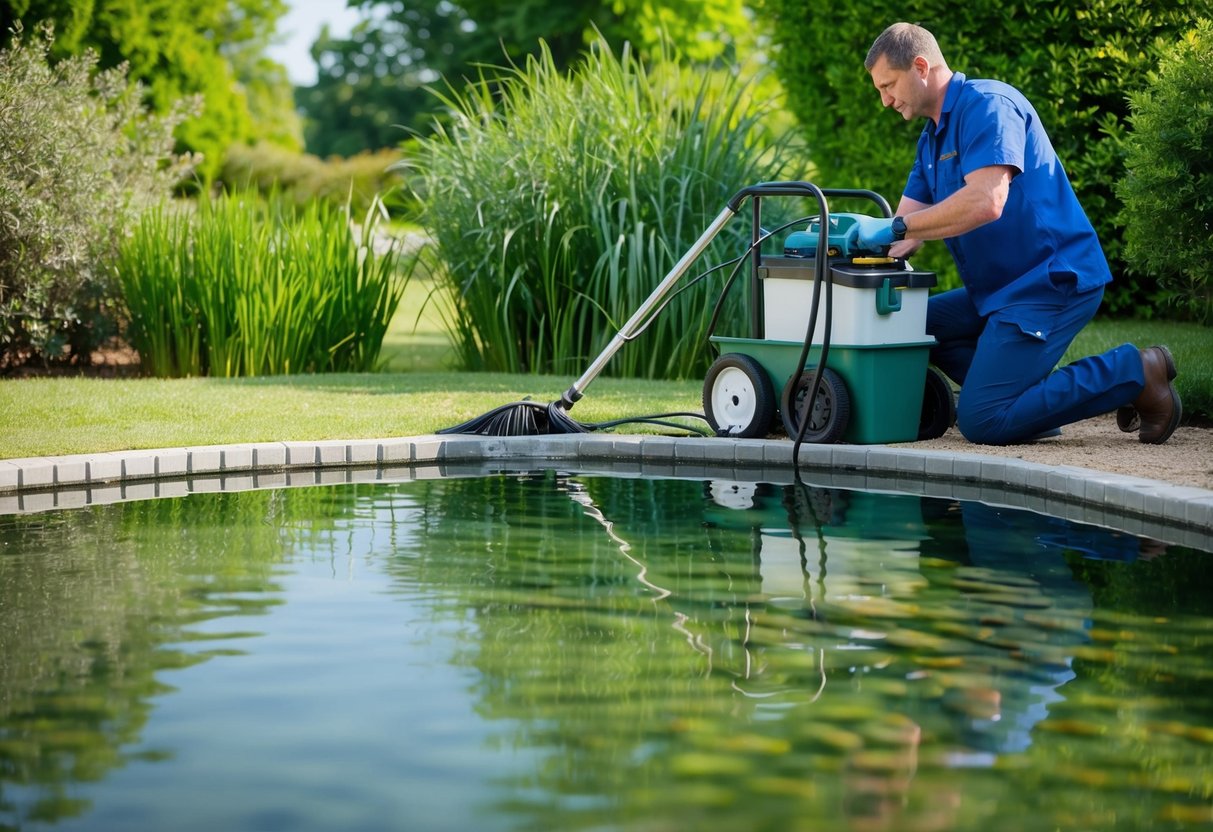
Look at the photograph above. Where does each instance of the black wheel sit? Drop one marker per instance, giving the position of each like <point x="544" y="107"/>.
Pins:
<point x="738" y="397"/>
<point x="831" y="413"/>
<point x="938" y="406"/>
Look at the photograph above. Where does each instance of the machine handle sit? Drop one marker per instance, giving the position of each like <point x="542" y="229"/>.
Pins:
<point x="888" y="299"/>
<point x="806" y="189"/>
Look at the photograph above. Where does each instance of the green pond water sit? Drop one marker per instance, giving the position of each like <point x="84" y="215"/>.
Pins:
<point x="576" y="652"/>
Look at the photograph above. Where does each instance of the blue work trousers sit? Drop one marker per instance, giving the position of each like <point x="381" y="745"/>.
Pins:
<point x="1004" y="365"/>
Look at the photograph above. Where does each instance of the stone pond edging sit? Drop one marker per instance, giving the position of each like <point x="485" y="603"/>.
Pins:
<point x="1174" y="513"/>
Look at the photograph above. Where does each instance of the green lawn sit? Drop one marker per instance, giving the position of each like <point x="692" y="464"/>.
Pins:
<point x="416" y="394"/>
<point x="417" y="340"/>
<point x="1191" y="344"/>
<point x="66" y="416"/>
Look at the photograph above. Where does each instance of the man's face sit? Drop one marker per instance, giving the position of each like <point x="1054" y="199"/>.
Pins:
<point x="905" y="90"/>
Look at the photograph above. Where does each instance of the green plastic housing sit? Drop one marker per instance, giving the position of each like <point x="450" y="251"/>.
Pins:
<point x="886" y="381"/>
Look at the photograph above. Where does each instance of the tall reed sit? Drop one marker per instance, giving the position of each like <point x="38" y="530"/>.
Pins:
<point x="243" y="287"/>
<point x="559" y="201"/>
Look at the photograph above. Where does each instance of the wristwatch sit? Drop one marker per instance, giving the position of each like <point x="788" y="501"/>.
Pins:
<point x="899" y="228"/>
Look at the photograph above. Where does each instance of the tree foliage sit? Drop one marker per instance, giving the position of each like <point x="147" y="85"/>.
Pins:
<point x="1168" y="192"/>
<point x="703" y="31"/>
<point x="177" y="49"/>
<point x="371" y="86"/>
<point x="248" y="29"/>
<point x="1074" y="59"/>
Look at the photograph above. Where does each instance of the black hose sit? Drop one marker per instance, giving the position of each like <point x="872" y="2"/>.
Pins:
<point x="528" y="418"/>
<point x="736" y="263"/>
<point x="821" y="273"/>
<point x="766" y="235"/>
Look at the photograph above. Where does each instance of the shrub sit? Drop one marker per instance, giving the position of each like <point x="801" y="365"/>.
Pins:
<point x="245" y="287"/>
<point x="303" y="177"/>
<point x="1168" y="192"/>
<point x="1073" y="59"/>
<point x="557" y="202"/>
<point x="79" y="158"/>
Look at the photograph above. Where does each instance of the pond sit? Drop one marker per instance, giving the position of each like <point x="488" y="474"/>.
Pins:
<point x="548" y="650"/>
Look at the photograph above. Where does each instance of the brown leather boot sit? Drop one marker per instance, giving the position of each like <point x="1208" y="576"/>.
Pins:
<point x="1127" y="418"/>
<point x="1158" y="404"/>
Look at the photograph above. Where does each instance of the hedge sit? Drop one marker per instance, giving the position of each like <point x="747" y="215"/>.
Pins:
<point x="1076" y="60"/>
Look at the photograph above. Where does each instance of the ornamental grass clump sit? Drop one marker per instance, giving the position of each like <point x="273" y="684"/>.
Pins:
<point x="557" y="203"/>
<point x="249" y="287"/>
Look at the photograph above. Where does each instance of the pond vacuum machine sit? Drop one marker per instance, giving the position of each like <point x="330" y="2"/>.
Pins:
<point x="832" y="325"/>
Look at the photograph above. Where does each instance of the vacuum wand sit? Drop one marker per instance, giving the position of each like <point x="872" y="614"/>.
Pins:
<point x="629" y="330"/>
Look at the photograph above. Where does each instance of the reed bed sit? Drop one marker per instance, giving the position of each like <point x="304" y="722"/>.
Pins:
<point x="557" y="202"/>
<point x="244" y="286"/>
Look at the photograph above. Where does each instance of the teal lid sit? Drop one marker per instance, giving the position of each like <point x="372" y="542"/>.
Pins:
<point x="800" y="244"/>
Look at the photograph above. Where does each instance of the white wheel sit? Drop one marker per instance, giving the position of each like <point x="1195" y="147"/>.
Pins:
<point x="738" y="397"/>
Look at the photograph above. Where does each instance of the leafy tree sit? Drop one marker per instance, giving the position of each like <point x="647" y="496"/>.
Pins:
<point x="373" y="84"/>
<point x="270" y="97"/>
<point x="72" y="20"/>
<point x="1075" y="60"/>
<point x="176" y="48"/>
<point x="704" y="31"/>
<point x="247" y="31"/>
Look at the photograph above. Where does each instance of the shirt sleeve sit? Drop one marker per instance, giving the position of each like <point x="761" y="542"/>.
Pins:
<point x="917" y="187"/>
<point x="993" y="131"/>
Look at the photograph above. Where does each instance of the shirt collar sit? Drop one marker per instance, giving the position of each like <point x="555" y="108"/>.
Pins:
<point x="949" y="99"/>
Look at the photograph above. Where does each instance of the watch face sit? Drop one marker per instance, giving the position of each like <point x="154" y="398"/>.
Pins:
<point x="899" y="228"/>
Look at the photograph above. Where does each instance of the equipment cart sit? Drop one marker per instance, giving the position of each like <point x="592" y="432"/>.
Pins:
<point x="876" y="385"/>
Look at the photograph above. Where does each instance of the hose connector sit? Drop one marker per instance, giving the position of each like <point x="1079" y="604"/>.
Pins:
<point x="570" y="397"/>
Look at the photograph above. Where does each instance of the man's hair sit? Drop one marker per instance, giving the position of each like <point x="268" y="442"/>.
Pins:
<point x="900" y="44"/>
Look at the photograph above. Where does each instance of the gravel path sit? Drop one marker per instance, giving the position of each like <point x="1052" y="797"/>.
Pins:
<point x="1184" y="459"/>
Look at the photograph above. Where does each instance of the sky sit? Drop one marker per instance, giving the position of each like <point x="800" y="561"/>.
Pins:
<point x="298" y="30"/>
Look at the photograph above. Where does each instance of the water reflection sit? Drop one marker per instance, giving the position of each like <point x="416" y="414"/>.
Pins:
<point x="559" y="651"/>
<point x="94" y="605"/>
<point x="818" y="635"/>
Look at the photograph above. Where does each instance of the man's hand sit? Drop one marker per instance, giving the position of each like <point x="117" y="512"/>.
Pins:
<point x="870" y="234"/>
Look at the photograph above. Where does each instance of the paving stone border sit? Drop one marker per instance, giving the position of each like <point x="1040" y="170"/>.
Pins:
<point x="1182" y="515"/>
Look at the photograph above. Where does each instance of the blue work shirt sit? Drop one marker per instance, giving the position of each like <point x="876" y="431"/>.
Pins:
<point x="1043" y="246"/>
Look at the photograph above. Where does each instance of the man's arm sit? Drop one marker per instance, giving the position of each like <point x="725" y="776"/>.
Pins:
<point x="904" y="248"/>
<point x="980" y="201"/>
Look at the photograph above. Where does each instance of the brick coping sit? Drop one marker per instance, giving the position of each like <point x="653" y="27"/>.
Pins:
<point x="1181" y="515"/>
